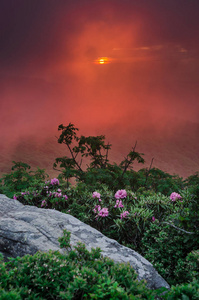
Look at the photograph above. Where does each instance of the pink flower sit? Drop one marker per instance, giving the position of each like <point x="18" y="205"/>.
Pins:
<point x="100" y="200"/>
<point x="65" y="196"/>
<point x="58" y="195"/>
<point x="124" y="214"/>
<point x="54" y="181"/>
<point x="44" y="203"/>
<point x="153" y="219"/>
<point x="15" y="197"/>
<point x="103" y="212"/>
<point x="59" y="190"/>
<point x="119" y="203"/>
<point x="97" y="208"/>
<point x="175" y="196"/>
<point x="96" y="195"/>
<point x="120" y="194"/>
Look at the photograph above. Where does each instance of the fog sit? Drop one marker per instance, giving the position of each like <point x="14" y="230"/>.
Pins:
<point x="48" y="72"/>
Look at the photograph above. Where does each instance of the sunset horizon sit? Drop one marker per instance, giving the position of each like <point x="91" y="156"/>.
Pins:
<point x="126" y="69"/>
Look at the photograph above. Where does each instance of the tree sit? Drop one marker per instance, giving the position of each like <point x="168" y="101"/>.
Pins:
<point x="96" y="150"/>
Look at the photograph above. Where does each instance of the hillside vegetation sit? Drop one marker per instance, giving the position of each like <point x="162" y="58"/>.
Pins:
<point x="150" y="211"/>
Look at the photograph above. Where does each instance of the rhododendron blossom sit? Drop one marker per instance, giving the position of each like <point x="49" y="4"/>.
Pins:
<point x="103" y="212"/>
<point x="96" y="195"/>
<point x="120" y="194"/>
<point x="54" y="181"/>
<point x="97" y="208"/>
<point x="58" y="195"/>
<point x="44" y="203"/>
<point x="153" y="219"/>
<point x="119" y="203"/>
<point x="15" y="197"/>
<point x="175" y="196"/>
<point x="124" y="214"/>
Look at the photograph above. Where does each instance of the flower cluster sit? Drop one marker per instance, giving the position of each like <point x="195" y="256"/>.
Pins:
<point x="101" y="212"/>
<point x="120" y="194"/>
<point x="96" y="195"/>
<point x="57" y="194"/>
<point x="124" y="214"/>
<point x="97" y="208"/>
<point x="54" y="181"/>
<point x="175" y="196"/>
<point x="119" y="203"/>
<point x="50" y="190"/>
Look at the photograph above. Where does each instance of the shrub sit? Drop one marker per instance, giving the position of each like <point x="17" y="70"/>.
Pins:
<point x="188" y="291"/>
<point x="20" y="179"/>
<point x="167" y="249"/>
<point x="159" y="181"/>
<point x="150" y="222"/>
<point x="77" y="274"/>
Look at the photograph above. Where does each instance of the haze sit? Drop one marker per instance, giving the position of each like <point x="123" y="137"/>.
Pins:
<point x="148" y="92"/>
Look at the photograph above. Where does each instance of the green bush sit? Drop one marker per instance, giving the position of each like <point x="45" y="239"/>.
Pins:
<point x="20" y="179"/>
<point x="188" y="291"/>
<point x="170" y="247"/>
<point x="136" y="229"/>
<point x="167" y="249"/>
<point x="77" y="274"/>
<point x="159" y="181"/>
<point x="9" y="295"/>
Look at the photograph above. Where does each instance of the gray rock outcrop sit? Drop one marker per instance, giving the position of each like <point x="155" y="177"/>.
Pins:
<point x="27" y="229"/>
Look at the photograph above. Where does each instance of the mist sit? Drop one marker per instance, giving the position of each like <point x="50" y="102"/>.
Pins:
<point x="147" y="92"/>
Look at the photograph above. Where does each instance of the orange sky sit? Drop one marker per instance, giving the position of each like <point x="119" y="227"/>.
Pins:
<point x="49" y="75"/>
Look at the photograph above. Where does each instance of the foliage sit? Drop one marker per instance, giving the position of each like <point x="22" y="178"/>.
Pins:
<point x="168" y="249"/>
<point x="147" y="216"/>
<point x="150" y="223"/>
<point x="21" y="178"/>
<point x="94" y="148"/>
<point x="188" y="291"/>
<point x="160" y="181"/>
<point x="76" y="274"/>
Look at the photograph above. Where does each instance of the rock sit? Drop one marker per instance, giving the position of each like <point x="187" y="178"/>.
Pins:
<point x="27" y="229"/>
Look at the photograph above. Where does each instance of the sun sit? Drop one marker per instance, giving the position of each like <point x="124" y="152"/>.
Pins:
<point x="103" y="60"/>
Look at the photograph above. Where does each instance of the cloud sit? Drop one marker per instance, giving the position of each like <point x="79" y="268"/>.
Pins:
<point x="48" y="75"/>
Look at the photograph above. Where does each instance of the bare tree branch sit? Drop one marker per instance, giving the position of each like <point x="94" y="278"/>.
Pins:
<point x="147" y="175"/>
<point x="180" y="229"/>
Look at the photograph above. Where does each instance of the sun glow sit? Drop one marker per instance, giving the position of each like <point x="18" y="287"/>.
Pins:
<point x="103" y="60"/>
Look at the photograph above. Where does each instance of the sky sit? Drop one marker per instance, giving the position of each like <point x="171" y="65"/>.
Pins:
<point x="50" y="71"/>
